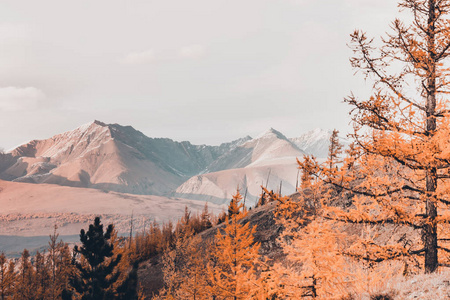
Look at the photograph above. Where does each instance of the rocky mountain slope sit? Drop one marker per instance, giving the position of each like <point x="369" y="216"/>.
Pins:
<point x="269" y="159"/>
<point x="110" y="157"/>
<point x="119" y="158"/>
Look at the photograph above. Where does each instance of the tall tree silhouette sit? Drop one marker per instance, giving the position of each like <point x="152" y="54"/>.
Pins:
<point x="96" y="267"/>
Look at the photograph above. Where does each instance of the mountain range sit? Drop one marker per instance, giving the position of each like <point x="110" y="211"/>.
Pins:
<point x="119" y="158"/>
<point x="116" y="171"/>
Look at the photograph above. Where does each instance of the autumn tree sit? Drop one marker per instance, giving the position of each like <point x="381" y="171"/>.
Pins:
<point x="194" y="283"/>
<point x="42" y="276"/>
<point x="397" y="172"/>
<point x="175" y="257"/>
<point x="59" y="265"/>
<point x="313" y="265"/>
<point x="205" y="219"/>
<point x="184" y="269"/>
<point x="335" y="149"/>
<point x="235" y="256"/>
<point x="25" y="288"/>
<point x="235" y="206"/>
<point x="125" y="286"/>
<point x="7" y="277"/>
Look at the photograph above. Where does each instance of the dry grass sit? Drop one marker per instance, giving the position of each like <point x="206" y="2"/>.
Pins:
<point x="425" y="286"/>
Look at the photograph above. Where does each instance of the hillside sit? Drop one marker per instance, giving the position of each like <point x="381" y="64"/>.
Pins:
<point x="423" y="286"/>
<point x="150" y="273"/>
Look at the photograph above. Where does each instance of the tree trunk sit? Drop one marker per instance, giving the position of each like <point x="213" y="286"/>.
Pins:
<point x="429" y="232"/>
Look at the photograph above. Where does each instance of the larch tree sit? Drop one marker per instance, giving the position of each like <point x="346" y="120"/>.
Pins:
<point x="398" y="170"/>
<point x="335" y="149"/>
<point x="322" y="273"/>
<point x="205" y="218"/>
<point x="235" y="256"/>
<point x="42" y="278"/>
<point x="59" y="264"/>
<point x="314" y="265"/>
<point x="25" y="288"/>
<point x="7" y="277"/>
<point x="188" y="263"/>
<point x="125" y="286"/>
<point x="174" y="257"/>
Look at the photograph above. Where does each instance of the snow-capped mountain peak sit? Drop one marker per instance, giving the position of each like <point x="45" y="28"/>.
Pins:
<point x="270" y="134"/>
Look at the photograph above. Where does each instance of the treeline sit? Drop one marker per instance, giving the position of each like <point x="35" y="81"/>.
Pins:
<point x="158" y="238"/>
<point x="64" y="273"/>
<point x="103" y="266"/>
<point x="43" y="276"/>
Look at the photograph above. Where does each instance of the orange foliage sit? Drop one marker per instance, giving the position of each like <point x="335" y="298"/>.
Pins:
<point x="235" y="257"/>
<point x="397" y="172"/>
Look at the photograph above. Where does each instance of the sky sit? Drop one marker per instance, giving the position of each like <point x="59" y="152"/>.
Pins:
<point x="207" y="71"/>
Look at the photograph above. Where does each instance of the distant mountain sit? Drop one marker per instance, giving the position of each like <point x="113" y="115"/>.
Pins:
<point x="110" y="164"/>
<point x="268" y="159"/>
<point x="265" y="149"/>
<point x="119" y="158"/>
<point x="110" y="157"/>
<point x="316" y="142"/>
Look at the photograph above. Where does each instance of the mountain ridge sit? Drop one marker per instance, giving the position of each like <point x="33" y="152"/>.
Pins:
<point x="122" y="159"/>
<point x="112" y="157"/>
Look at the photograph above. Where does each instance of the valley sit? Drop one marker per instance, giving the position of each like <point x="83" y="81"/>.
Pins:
<point x="117" y="172"/>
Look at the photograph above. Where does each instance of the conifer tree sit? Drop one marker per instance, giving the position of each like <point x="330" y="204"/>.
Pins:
<point x="398" y="169"/>
<point x="194" y="281"/>
<point x="42" y="278"/>
<point x="235" y="256"/>
<point x="175" y="257"/>
<point x="335" y="149"/>
<point x="96" y="269"/>
<point x="25" y="285"/>
<point x="322" y="273"/>
<point x="126" y="286"/>
<point x="235" y="206"/>
<point x="184" y="269"/>
<point x="7" y="277"/>
<point x="59" y="265"/>
<point x="205" y="218"/>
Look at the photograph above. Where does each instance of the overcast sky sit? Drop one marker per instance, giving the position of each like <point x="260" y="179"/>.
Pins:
<point x="207" y="71"/>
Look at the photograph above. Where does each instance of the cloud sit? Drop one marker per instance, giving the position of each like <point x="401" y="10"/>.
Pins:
<point x="19" y="99"/>
<point x="137" y="58"/>
<point x="192" y="51"/>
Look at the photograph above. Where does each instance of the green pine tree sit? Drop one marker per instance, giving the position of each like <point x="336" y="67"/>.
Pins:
<point x="95" y="264"/>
